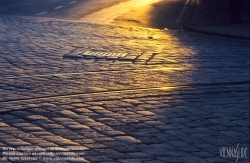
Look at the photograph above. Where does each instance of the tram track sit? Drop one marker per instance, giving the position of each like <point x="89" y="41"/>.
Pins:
<point x="145" y="91"/>
<point x="109" y="71"/>
<point x="128" y="91"/>
<point x="91" y="72"/>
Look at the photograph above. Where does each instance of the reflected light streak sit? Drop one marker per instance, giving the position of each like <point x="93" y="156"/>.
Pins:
<point x="108" y="14"/>
<point x="161" y="46"/>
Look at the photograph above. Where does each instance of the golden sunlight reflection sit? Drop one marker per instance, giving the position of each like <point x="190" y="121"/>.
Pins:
<point x="140" y="3"/>
<point x="163" y="48"/>
<point x="107" y="15"/>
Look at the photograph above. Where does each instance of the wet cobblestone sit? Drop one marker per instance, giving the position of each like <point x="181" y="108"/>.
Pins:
<point x="182" y="98"/>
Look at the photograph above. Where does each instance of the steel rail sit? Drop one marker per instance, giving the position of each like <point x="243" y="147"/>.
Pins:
<point x="91" y="72"/>
<point x="109" y="71"/>
<point x="126" y="91"/>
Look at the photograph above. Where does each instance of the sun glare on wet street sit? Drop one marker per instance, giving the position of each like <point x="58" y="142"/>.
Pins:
<point x="108" y="14"/>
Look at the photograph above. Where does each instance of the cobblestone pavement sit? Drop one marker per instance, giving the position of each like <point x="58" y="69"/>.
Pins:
<point x="171" y="96"/>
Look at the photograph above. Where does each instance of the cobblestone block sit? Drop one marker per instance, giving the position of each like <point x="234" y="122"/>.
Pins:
<point x="127" y="139"/>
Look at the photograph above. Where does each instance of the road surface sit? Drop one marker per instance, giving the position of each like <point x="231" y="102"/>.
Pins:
<point x="110" y="93"/>
<point x="146" y="13"/>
